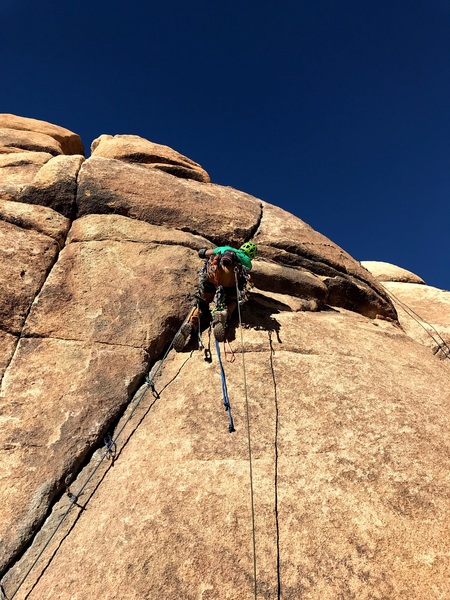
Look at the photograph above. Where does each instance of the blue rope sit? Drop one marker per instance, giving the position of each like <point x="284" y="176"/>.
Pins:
<point x="226" y="401"/>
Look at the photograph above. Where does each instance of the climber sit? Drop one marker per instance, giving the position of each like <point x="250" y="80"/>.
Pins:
<point x="217" y="281"/>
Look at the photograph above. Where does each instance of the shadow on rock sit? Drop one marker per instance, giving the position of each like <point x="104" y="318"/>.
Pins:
<point x="257" y="314"/>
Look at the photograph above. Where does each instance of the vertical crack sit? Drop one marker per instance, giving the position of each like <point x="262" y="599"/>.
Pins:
<point x="60" y="245"/>
<point x="277" y="421"/>
<point x="38" y="291"/>
<point x="257" y="225"/>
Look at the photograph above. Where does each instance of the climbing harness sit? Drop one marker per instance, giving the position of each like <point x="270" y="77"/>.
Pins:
<point x="210" y="271"/>
<point x="226" y="401"/>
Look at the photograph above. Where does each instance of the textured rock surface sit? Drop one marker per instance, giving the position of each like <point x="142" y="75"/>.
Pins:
<point x="26" y="258"/>
<point x="15" y="140"/>
<point x="424" y="313"/>
<point x="106" y="291"/>
<point x="423" y="310"/>
<point x="134" y="149"/>
<point x="221" y="214"/>
<point x="36" y="218"/>
<point x="117" y="228"/>
<point x="342" y="441"/>
<point x="290" y="281"/>
<point x="69" y="142"/>
<point x="34" y="166"/>
<point x="57" y="397"/>
<point x="386" y="272"/>
<point x="21" y="167"/>
<point x="7" y="346"/>
<point x="55" y="185"/>
<point x="294" y="243"/>
<point x="348" y="414"/>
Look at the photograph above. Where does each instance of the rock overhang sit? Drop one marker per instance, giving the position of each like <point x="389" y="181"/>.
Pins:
<point x="133" y="177"/>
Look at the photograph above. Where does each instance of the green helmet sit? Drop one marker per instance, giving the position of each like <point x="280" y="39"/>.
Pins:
<point x="250" y="249"/>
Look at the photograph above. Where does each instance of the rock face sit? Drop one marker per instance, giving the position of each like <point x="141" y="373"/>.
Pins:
<point x="423" y="310"/>
<point x="34" y="166"/>
<point x="68" y="142"/>
<point x="119" y="483"/>
<point x="386" y="272"/>
<point x="137" y="150"/>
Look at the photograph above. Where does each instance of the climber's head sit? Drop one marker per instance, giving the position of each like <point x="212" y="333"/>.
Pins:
<point x="250" y="249"/>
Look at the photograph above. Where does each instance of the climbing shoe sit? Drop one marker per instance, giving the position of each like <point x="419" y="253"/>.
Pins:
<point x="219" y="332"/>
<point x="180" y="339"/>
<point x="219" y="321"/>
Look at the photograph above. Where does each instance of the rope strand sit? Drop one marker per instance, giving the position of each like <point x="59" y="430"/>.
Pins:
<point x="420" y="321"/>
<point x="226" y="401"/>
<point x="277" y="427"/>
<point x="247" y="411"/>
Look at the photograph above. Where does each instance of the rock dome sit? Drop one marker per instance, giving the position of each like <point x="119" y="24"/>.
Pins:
<point x="119" y="477"/>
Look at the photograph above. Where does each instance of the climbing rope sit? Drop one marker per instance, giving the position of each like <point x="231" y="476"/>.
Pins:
<point x="420" y="321"/>
<point x="109" y="453"/>
<point x="247" y="411"/>
<point x="226" y="401"/>
<point x="110" y="448"/>
<point x="277" y="427"/>
<point x="199" y="333"/>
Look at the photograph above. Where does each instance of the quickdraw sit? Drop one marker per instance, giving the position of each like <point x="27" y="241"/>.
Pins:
<point x="229" y="352"/>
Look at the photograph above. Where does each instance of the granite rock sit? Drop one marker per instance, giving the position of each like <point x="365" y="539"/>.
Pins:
<point x="68" y="141"/>
<point x="137" y="150"/>
<point x="118" y="474"/>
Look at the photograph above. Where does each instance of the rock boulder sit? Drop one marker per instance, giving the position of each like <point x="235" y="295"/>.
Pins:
<point x="423" y="310"/>
<point x="21" y="167"/>
<point x="223" y="215"/>
<point x="119" y="477"/>
<point x="386" y="272"/>
<point x="136" y="150"/>
<point x="68" y="142"/>
<point x="16" y="141"/>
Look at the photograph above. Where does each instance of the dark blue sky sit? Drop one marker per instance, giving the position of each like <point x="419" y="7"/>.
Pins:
<point x="336" y="110"/>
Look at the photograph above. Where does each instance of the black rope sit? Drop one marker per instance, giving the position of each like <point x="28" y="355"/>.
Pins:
<point x="199" y="333"/>
<point x="277" y="422"/>
<point x="3" y="595"/>
<point x="250" y="462"/>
